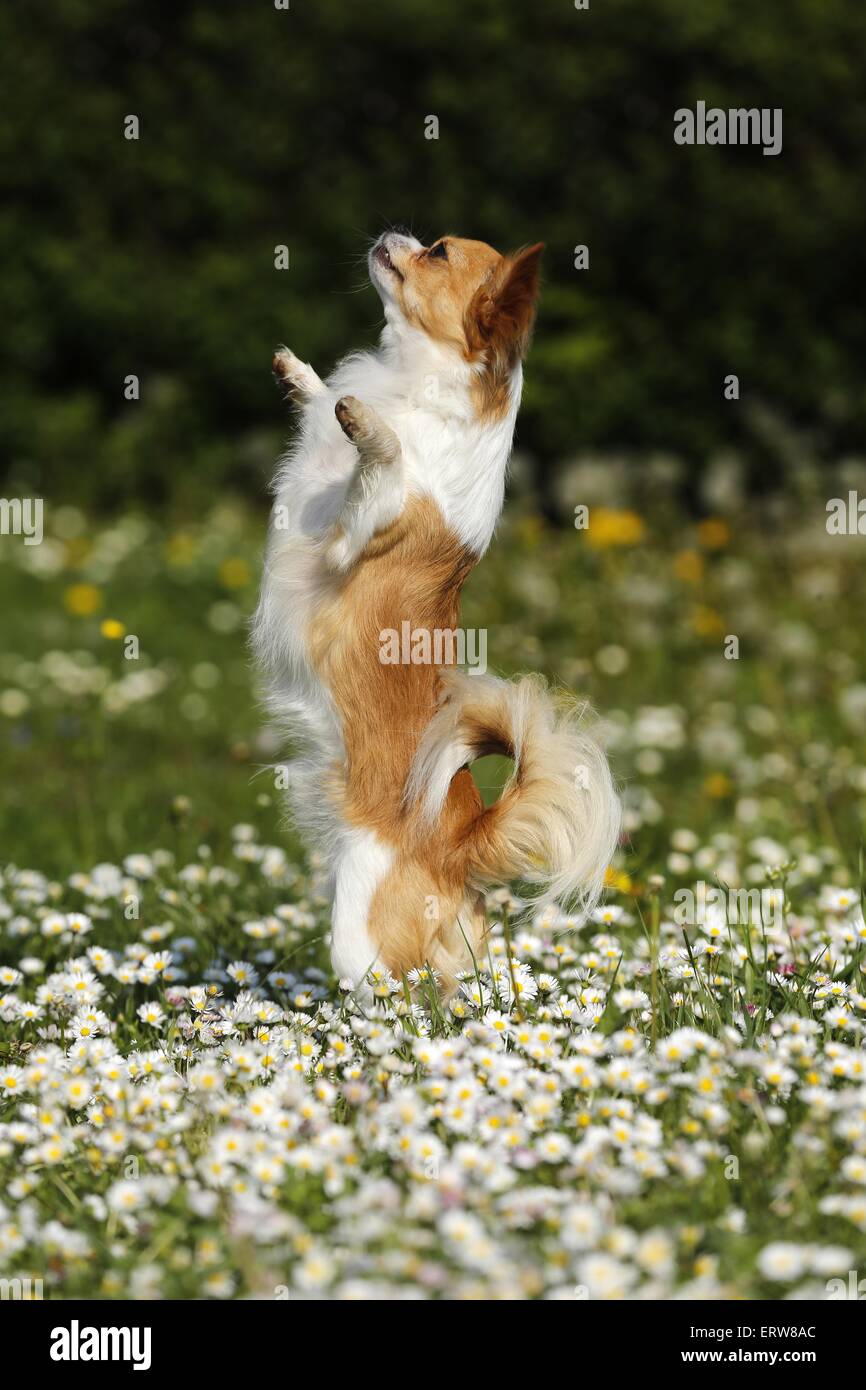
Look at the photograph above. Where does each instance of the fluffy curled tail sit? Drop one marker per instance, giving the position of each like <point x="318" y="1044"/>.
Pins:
<point x="557" y="821"/>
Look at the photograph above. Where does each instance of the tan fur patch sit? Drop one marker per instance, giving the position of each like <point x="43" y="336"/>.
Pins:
<point x="435" y="293"/>
<point x="478" y="301"/>
<point x="411" y="572"/>
<point x="419" y="917"/>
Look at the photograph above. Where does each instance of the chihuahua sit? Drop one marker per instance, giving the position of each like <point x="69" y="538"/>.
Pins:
<point x="385" y="502"/>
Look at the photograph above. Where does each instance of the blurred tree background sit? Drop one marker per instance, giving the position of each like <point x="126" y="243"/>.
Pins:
<point x="305" y="126"/>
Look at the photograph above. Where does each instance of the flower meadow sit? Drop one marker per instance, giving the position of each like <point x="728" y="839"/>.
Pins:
<point x="665" y="1101"/>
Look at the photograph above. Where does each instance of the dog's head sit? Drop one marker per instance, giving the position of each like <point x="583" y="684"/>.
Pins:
<point x="460" y="294"/>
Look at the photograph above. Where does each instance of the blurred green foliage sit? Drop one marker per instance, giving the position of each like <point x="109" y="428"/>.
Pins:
<point x="96" y="746"/>
<point x="306" y="127"/>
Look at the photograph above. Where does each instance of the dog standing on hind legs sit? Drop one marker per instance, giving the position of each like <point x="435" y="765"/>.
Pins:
<point x="385" y="502"/>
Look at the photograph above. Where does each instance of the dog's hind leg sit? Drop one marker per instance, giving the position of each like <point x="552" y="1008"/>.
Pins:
<point x="377" y="488"/>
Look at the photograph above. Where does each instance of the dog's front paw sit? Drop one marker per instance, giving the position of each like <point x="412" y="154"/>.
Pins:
<point x="355" y="418"/>
<point x="376" y="442"/>
<point x="294" y="377"/>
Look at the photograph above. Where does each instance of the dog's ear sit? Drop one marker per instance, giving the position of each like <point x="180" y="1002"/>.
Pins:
<point x="502" y="311"/>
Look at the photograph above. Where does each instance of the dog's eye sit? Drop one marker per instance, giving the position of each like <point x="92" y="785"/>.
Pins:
<point x="439" y="250"/>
